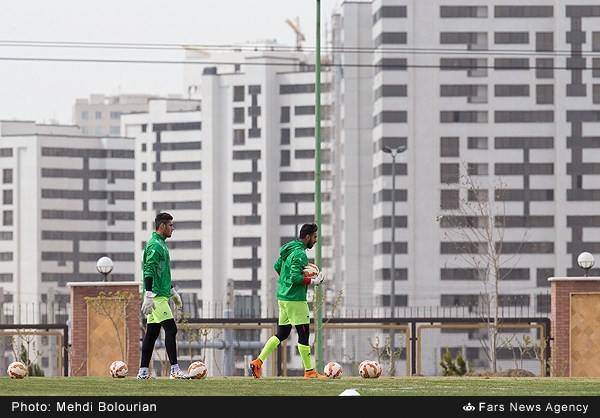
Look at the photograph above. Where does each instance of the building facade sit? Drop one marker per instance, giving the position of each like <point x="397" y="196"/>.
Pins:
<point x="100" y="115"/>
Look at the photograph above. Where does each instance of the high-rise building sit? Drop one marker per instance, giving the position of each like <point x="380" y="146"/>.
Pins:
<point x="66" y="202"/>
<point x="100" y="115"/>
<point x="493" y="91"/>
<point x="238" y="175"/>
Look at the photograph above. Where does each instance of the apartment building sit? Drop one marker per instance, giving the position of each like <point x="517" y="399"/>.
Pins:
<point x="66" y="202"/>
<point x="237" y="173"/>
<point x="510" y="90"/>
<point x="100" y="115"/>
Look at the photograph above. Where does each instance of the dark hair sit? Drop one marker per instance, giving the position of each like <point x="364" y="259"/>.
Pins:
<point x="308" y="229"/>
<point x="162" y="218"/>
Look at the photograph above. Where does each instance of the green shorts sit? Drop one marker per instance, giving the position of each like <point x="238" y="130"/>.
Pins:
<point x="161" y="312"/>
<point x="293" y="312"/>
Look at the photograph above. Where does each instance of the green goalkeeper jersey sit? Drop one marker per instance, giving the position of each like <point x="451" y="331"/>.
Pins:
<point x="157" y="264"/>
<point x="292" y="260"/>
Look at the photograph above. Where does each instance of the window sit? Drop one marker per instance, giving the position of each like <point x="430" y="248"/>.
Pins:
<point x="115" y="115"/>
<point x="115" y="130"/>
<point x="7" y="176"/>
<point x="545" y="94"/>
<point x="544" y="67"/>
<point x="449" y="147"/>
<point x="7" y="197"/>
<point x="98" y="115"/>
<point x="511" y="38"/>
<point x="238" y="93"/>
<point x="477" y="142"/>
<point x="239" y="137"/>
<point x="285" y="136"/>
<point x="238" y="115"/>
<point x="85" y="115"/>
<point x="449" y="199"/>
<point x="285" y="114"/>
<point x="285" y="158"/>
<point x="304" y="110"/>
<point x="449" y="173"/>
<point x="7" y="218"/>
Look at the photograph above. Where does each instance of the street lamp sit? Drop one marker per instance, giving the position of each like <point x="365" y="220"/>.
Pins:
<point x="104" y="265"/>
<point x="585" y="261"/>
<point x="394" y="153"/>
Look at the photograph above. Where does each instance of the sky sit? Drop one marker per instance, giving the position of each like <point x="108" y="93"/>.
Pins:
<point x="40" y="39"/>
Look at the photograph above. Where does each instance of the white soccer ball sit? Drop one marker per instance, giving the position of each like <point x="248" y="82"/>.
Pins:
<point x="370" y="369"/>
<point x="333" y="370"/>
<point x="311" y="270"/>
<point x="17" y="370"/>
<point x="197" y="370"/>
<point x="118" y="369"/>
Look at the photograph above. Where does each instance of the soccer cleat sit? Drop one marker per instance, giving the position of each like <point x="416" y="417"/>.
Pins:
<point x="312" y="374"/>
<point x="255" y="366"/>
<point x="178" y="374"/>
<point x="145" y="376"/>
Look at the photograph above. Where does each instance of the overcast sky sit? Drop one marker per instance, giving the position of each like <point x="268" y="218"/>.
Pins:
<point x="45" y="91"/>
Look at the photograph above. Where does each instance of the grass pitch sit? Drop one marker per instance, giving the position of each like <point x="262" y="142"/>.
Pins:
<point x="298" y="386"/>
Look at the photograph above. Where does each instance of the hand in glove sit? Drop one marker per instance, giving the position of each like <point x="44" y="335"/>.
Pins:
<point x="148" y="303"/>
<point x="176" y="298"/>
<point x="318" y="279"/>
<point x="177" y="303"/>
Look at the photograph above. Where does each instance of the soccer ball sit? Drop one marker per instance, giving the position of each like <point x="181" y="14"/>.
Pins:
<point x="118" y="369"/>
<point x="333" y="370"/>
<point x="311" y="270"/>
<point x="197" y="370"/>
<point x="370" y="369"/>
<point x="17" y="370"/>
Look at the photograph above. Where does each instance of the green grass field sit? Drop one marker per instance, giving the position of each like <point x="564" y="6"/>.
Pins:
<point x="297" y="386"/>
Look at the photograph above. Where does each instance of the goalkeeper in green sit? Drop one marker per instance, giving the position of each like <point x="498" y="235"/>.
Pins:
<point x="291" y="299"/>
<point x="158" y="291"/>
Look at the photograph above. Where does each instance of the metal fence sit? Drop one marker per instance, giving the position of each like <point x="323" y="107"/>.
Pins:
<point x="412" y="343"/>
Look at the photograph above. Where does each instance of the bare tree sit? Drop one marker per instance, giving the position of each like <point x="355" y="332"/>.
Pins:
<point x="114" y="306"/>
<point x="474" y="232"/>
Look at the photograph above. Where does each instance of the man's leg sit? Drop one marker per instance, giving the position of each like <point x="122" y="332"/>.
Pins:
<point x="170" y="328"/>
<point x="283" y="331"/>
<point x="152" y="333"/>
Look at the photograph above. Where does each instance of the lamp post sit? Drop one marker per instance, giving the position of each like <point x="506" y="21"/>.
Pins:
<point x="394" y="153"/>
<point x="104" y="265"/>
<point x="585" y="261"/>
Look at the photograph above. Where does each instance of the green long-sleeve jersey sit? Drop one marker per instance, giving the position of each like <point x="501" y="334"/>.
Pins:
<point x="292" y="260"/>
<point x="157" y="264"/>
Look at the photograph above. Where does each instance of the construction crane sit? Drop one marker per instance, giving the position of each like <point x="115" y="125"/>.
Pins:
<point x="195" y="52"/>
<point x="299" y="35"/>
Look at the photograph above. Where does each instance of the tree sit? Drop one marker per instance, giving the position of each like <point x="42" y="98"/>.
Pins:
<point x="114" y="306"/>
<point x="474" y="232"/>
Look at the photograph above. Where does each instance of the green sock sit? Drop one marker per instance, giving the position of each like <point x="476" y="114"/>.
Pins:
<point x="304" y="351"/>
<point x="270" y="345"/>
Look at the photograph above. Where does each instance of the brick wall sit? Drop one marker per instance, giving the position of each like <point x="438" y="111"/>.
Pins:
<point x="79" y="321"/>
<point x="561" y="290"/>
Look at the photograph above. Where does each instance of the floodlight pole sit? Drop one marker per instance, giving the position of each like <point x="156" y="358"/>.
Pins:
<point x="394" y="153"/>
<point x="318" y="314"/>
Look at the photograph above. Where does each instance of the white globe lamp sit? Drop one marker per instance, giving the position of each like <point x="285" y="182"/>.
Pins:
<point x="104" y="265"/>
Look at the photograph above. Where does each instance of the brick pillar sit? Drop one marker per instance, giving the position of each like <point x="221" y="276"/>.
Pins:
<point x="562" y="289"/>
<point x="79" y="323"/>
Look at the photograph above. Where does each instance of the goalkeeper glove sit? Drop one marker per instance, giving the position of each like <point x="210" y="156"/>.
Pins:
<point x="176" y="298"/>
<point x="177" y="303"/>
<point x="148" y="303"/>
<point x="318" y="279"/>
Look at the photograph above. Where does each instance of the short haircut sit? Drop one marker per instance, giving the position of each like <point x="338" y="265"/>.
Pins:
<point x="308" y="229"/>
<point x="162" y="218"/>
